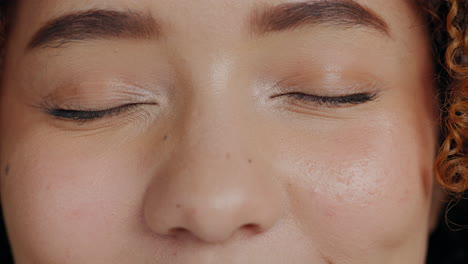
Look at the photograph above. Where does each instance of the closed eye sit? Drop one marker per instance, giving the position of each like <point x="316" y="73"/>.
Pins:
<point x="87" y="115"/>
<point x="332" y="101"/>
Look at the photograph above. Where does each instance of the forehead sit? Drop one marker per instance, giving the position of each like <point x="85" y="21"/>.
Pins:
<point x="206" y="26"/>
<point x="203" y="29"/>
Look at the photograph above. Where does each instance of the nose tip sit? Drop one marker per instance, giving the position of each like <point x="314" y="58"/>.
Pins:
<point x="212" y="213"/>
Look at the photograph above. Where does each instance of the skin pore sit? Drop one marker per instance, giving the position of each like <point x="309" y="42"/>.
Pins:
<point x="222" y="131"/>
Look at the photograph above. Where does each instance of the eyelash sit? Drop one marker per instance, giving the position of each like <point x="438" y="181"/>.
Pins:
<point x="333" y="101"/>
<point x="81" y="115"/>
<point x="336" y="101"/>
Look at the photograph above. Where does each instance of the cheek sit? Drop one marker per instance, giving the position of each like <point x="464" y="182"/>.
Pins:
<point x="366" y="188"/>
<point x="61" y="191"/>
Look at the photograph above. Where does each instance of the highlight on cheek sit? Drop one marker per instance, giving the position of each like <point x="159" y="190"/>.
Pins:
<point x="220" y="131"/>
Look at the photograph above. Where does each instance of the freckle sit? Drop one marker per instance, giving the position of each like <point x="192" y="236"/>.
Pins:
<point x="76" y="214"/>
<point x="7" y="169"/>
<point x="250" y="161"/>
<point x="330" y="213"/>
<point x="178" y="205"/>
<point x="228" y="155"/>
<point x="193" y="212"/>
<point x="166" y="137"/>
<point x="327" y="260"/>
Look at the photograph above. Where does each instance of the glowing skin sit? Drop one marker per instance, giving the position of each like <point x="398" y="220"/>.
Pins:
<point x="214" y="167"/>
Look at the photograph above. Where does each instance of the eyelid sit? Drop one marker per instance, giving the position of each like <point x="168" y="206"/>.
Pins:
<point x="331" y="101"/>
<point x="90" y="115"/>
<point x="107" y="93"/>
<point x="352" y="99"/>
<point x="329" y="83"/>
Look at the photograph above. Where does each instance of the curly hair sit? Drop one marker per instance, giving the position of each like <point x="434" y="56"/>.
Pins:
<point x="449" y="27"/>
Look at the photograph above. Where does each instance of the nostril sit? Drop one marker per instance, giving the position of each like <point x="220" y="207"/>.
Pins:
<point x="251" y="228"/>
<point x="177" y="231"/>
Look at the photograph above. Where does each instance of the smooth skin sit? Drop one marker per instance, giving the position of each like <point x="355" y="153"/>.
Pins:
<point x="215" y="163"/>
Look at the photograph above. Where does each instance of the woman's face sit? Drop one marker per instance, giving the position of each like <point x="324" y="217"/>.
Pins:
<point x="222" y="131"/>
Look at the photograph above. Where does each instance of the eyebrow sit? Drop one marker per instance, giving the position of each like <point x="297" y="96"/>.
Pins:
<point x="337" y="13"/>
<point x="98" y="24"/>
<point x="95" y="24"/>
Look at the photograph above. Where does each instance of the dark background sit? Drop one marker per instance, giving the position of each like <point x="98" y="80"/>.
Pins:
<point x="446" y="246"/>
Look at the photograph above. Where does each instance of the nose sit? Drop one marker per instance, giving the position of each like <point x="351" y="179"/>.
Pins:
<point x="212" y="197"/>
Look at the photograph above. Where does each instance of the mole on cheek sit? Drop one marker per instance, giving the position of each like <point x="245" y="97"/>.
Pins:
<point x="7" y="169"/>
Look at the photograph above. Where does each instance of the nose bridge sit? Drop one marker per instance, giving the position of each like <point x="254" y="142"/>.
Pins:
<point x="215" y="116"/>
<point x="214" y="121"/>
<point x="209" y="187"/>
